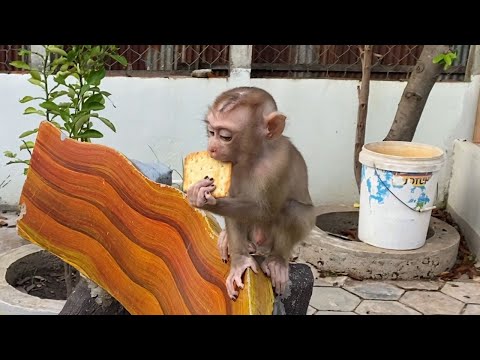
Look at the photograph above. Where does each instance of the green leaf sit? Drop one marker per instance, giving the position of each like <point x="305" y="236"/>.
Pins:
<point x="37" y="82"/>
<point x="64" y="73"/>
<point x="107" y="122"/>
<point x="64" y="105"/>
<point x="26" y="99"/>
<point x="79" y="123"/>
<point x="29" y="132"/>
<point x="95" y="77"/>
<point x="20" y="65"/>
<point x="10" y="154"/>
<point x="27" y="145"/>
<point x="119" y="58"/>
<point x="35" y="74"/>
<point x="84" y="89"/>
<point x="50" y="105"/>
<point x="30" y="110"/>
<point x="105" y="93"/>
<point x="92" y="106"/>
<point x="56" y="50"/>
<point x="59" y="61"/>
<point x="448" y="60"/>
<point x="59" y="79"/>
<point x="56" y="94"/>
<point x="40" y="112"/>
<point x="94" y="98"/>
<point x="23" y="52"/>
<point x="56" y="124"/>
<point x="25" y="171"/>
<point x="65" y="115"/>
<point x="53" y="68"/>
<point x="91" y="133"/>
<point x="64" y="67"/>
<point x="438" y="58"/>
<point x="72" y="53"/>
<point x="95" y="51"/>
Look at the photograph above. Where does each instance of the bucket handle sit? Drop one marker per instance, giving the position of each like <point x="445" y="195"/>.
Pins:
<point x="419" y="210"/>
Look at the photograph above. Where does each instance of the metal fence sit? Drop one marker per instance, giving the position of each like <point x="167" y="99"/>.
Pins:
<point x="176" y="59"/>
<point x="9" y="53"/>
<point x="390" y="62"/>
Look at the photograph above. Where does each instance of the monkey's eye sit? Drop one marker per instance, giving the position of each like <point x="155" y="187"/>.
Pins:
<point x="226" y="138"/>
<point x="210" y="133"/>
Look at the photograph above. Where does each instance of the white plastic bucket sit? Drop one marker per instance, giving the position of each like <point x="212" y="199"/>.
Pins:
<point x="397" y="193"/>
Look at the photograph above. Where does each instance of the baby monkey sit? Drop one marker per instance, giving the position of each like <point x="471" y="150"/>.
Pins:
<point x="269" y="208"/>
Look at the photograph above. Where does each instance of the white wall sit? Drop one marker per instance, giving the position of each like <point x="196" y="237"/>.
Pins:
<point x="464" y="194"/>
<point x="166" y="114"/>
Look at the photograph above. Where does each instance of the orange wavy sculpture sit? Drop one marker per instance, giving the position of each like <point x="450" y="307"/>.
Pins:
<point x="139" y="240"/>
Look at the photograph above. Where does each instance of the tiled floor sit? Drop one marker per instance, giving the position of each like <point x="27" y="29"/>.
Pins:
<point x="344" y="296"/>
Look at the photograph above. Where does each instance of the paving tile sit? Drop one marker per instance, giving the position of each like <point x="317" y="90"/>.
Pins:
<point x="418" y="284"/>
<point x="335" y="313"/>
<point x="432" y="302"/>
<point x="333" y="298"/>
<point x="373" y="290"/>
<point x="472" y="309"/>
<point x="311" y="310"/>
<point x="330" y="281"/>
<point x="379" y="307"/>
<point x="468" y="292"/>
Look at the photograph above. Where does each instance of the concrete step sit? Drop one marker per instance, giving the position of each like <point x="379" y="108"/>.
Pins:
<point x="364" y="261"/>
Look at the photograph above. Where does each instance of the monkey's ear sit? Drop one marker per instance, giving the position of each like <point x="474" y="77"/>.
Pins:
<point x="275" y="123"/>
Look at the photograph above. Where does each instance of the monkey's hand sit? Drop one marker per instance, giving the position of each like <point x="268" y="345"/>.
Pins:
<point x="277" y="268"/>
<point x="199" y="194"/>
<point x="240" y="263"/>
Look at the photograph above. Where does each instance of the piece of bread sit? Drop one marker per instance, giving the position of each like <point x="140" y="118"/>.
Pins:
<point x="199" y="164"/>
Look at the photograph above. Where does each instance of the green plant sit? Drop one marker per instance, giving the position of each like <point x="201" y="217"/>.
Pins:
<point x="75" y="98"/>
<point x="446" y="59"/>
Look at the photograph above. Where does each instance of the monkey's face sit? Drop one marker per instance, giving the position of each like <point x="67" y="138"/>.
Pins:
<point x="231" y="134"/>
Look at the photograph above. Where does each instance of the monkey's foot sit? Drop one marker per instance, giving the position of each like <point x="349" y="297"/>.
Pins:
<point x="240" y="263"/>
<point x="277" y="269"/>
<point x="222" y="245"/>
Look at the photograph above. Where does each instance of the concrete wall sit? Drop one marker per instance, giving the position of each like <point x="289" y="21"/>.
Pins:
<point x="166" y="114"/>
<point x="464" y="192"/>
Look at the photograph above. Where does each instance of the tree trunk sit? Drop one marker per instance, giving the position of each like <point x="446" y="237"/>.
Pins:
<point x="363" y="91"/>
<point x="89" y="299"/>
<point x="416" y="93"/>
